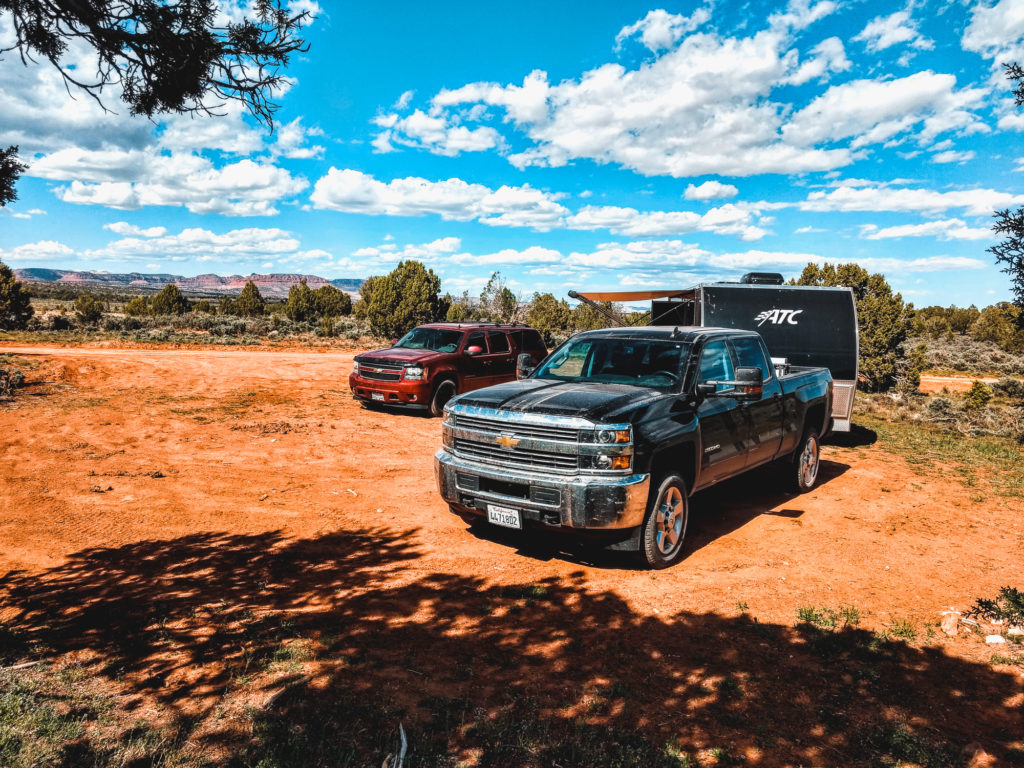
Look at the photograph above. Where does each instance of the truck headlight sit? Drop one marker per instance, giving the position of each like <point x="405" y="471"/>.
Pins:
<point x="613" y="436"/>
<point x="414" y="373"/>
<point x="604" y="461"/>
<point x="355" y="367"/>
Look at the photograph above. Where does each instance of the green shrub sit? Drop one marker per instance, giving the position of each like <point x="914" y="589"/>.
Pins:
<point x="249" y="302"/>
<point x="15" y="303"/>
<point x="170" y="301"/>
<point x="978" y="396"/>
<point x="884" y="320"/>
<point x="404" y="298"/>
<point x="331" y="302"/>
<point x="300" y="306"/>
<point x="1008" y="607"/>
<point x="137" y="307"/>
<point x="88" y="309"/>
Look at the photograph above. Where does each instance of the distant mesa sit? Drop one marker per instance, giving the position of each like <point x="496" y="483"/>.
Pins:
<point x="271" y="286"/>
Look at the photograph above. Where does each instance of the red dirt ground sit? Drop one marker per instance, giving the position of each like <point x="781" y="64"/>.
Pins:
<point x="113" y="455"/>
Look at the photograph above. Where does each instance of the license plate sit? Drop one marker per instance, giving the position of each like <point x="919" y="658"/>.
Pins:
<point x="376" y="395"/>
<point x="504" y="516"/>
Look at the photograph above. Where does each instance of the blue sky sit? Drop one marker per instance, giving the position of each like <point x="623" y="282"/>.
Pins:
<point x="567" y="145"/>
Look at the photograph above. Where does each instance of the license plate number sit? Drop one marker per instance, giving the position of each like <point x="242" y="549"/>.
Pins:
<point x="504" y="516"/>
<point x="376" y="395"/>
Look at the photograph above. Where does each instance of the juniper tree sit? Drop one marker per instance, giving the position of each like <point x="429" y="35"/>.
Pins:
<point x="15" y="303"/>
<point x="883" y="319"/>
<point x="402" y="299"/>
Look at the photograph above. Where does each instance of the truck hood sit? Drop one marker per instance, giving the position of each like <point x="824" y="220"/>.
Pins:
<point x="595" y="402"/>
<point x="398" y="356"/>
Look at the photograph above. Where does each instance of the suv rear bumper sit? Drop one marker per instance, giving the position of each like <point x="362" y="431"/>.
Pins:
<point x="411" y="394"/>
<point x="577" y="501"/>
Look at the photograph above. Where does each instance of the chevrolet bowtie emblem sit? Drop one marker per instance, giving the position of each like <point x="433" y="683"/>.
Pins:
<point x="506" y="441"/>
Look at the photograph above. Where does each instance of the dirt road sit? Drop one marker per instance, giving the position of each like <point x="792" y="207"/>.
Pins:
<point x="184" y="480"/>
<point x="930" y="383"/>
<point x="121" y="445"/>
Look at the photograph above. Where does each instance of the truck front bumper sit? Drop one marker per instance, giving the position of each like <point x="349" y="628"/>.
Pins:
<point x="587" y="502"/>
<point x="408" y="394"/>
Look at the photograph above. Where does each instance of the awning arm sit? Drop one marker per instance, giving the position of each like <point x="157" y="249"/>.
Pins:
<point x="607" y="313"/>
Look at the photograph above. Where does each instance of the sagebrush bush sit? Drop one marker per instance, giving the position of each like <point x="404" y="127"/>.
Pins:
<point x="949" y="413"/>
<point x="10" y="380"/>
<point x="1010" y="388"/>
<point x="963" y="353"/>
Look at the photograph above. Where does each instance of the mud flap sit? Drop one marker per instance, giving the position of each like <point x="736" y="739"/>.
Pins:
<point x="629" y="544"/>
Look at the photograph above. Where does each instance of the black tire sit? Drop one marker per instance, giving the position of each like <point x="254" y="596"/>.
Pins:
<point x="806" y="461"/>
<point x="445" y="391"/>
<point x="664" y="528"/>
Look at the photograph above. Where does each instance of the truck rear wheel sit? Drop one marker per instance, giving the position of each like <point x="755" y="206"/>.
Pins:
<point x="664" y="527"/>
<point x="803" y="471"/>
<point x="445" y="391"/>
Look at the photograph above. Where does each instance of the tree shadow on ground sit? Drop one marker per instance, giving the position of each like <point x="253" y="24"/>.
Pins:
<point x="311" y="652"/>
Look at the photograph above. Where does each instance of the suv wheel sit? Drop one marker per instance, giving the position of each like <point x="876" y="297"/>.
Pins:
<point x="445" y="391"/>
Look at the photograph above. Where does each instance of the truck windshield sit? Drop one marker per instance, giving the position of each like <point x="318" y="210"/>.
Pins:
<point x="435" y="339"/>
<point x="640" y="362"/>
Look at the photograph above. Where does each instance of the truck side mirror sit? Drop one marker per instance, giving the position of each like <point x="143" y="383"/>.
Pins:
<point x="524" y="365"/>
<point x="748" y="385"/>
<point x="474" y="350"/>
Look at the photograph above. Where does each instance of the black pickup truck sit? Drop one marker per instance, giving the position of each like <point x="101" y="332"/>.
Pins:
<point x="616" y="428"/>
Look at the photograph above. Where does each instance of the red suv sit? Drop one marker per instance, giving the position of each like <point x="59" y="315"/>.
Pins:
<point x="432" y="363"/>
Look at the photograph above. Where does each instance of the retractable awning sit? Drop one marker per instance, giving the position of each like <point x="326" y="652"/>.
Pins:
<point x="667" y="293"/>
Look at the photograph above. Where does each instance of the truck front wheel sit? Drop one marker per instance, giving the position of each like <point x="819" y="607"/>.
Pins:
<point x="806" y="461"/>
<point x="445" y="391"/>
<point x="664" y="526"/>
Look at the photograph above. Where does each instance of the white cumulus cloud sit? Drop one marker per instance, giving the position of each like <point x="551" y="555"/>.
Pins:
<point x="352" y="191"/>
<point x="946" y="229"/>
<point x="660" y="29"/>
<point x="710" y="190"/>
<point x="886" y="31"/>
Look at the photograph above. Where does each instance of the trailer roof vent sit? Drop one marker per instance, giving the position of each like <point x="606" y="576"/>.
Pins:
<point x="761" y="278"/>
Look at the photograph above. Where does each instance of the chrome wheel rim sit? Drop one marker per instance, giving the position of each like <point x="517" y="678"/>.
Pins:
<point x="670" y="522"/>
<point x="809" y="462"/>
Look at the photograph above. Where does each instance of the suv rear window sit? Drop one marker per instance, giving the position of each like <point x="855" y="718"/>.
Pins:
<point x="528" y="340"/>
<point x="498" y="341"/>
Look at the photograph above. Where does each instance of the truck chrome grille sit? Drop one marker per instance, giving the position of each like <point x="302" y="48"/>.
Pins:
<point x="518" y="458"/>
<point x="518" y="429"/>
<point x="379" y="372"/>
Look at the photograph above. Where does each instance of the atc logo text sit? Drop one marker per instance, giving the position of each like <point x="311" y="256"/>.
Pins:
<point x="778" y="317"/>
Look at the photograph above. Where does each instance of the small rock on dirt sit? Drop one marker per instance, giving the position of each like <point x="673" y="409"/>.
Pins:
<point x="995" y="639"/>
<point x="950" y="621"/>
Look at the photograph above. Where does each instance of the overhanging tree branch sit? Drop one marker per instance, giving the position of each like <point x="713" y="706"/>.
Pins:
<point x="168" y="57"/>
